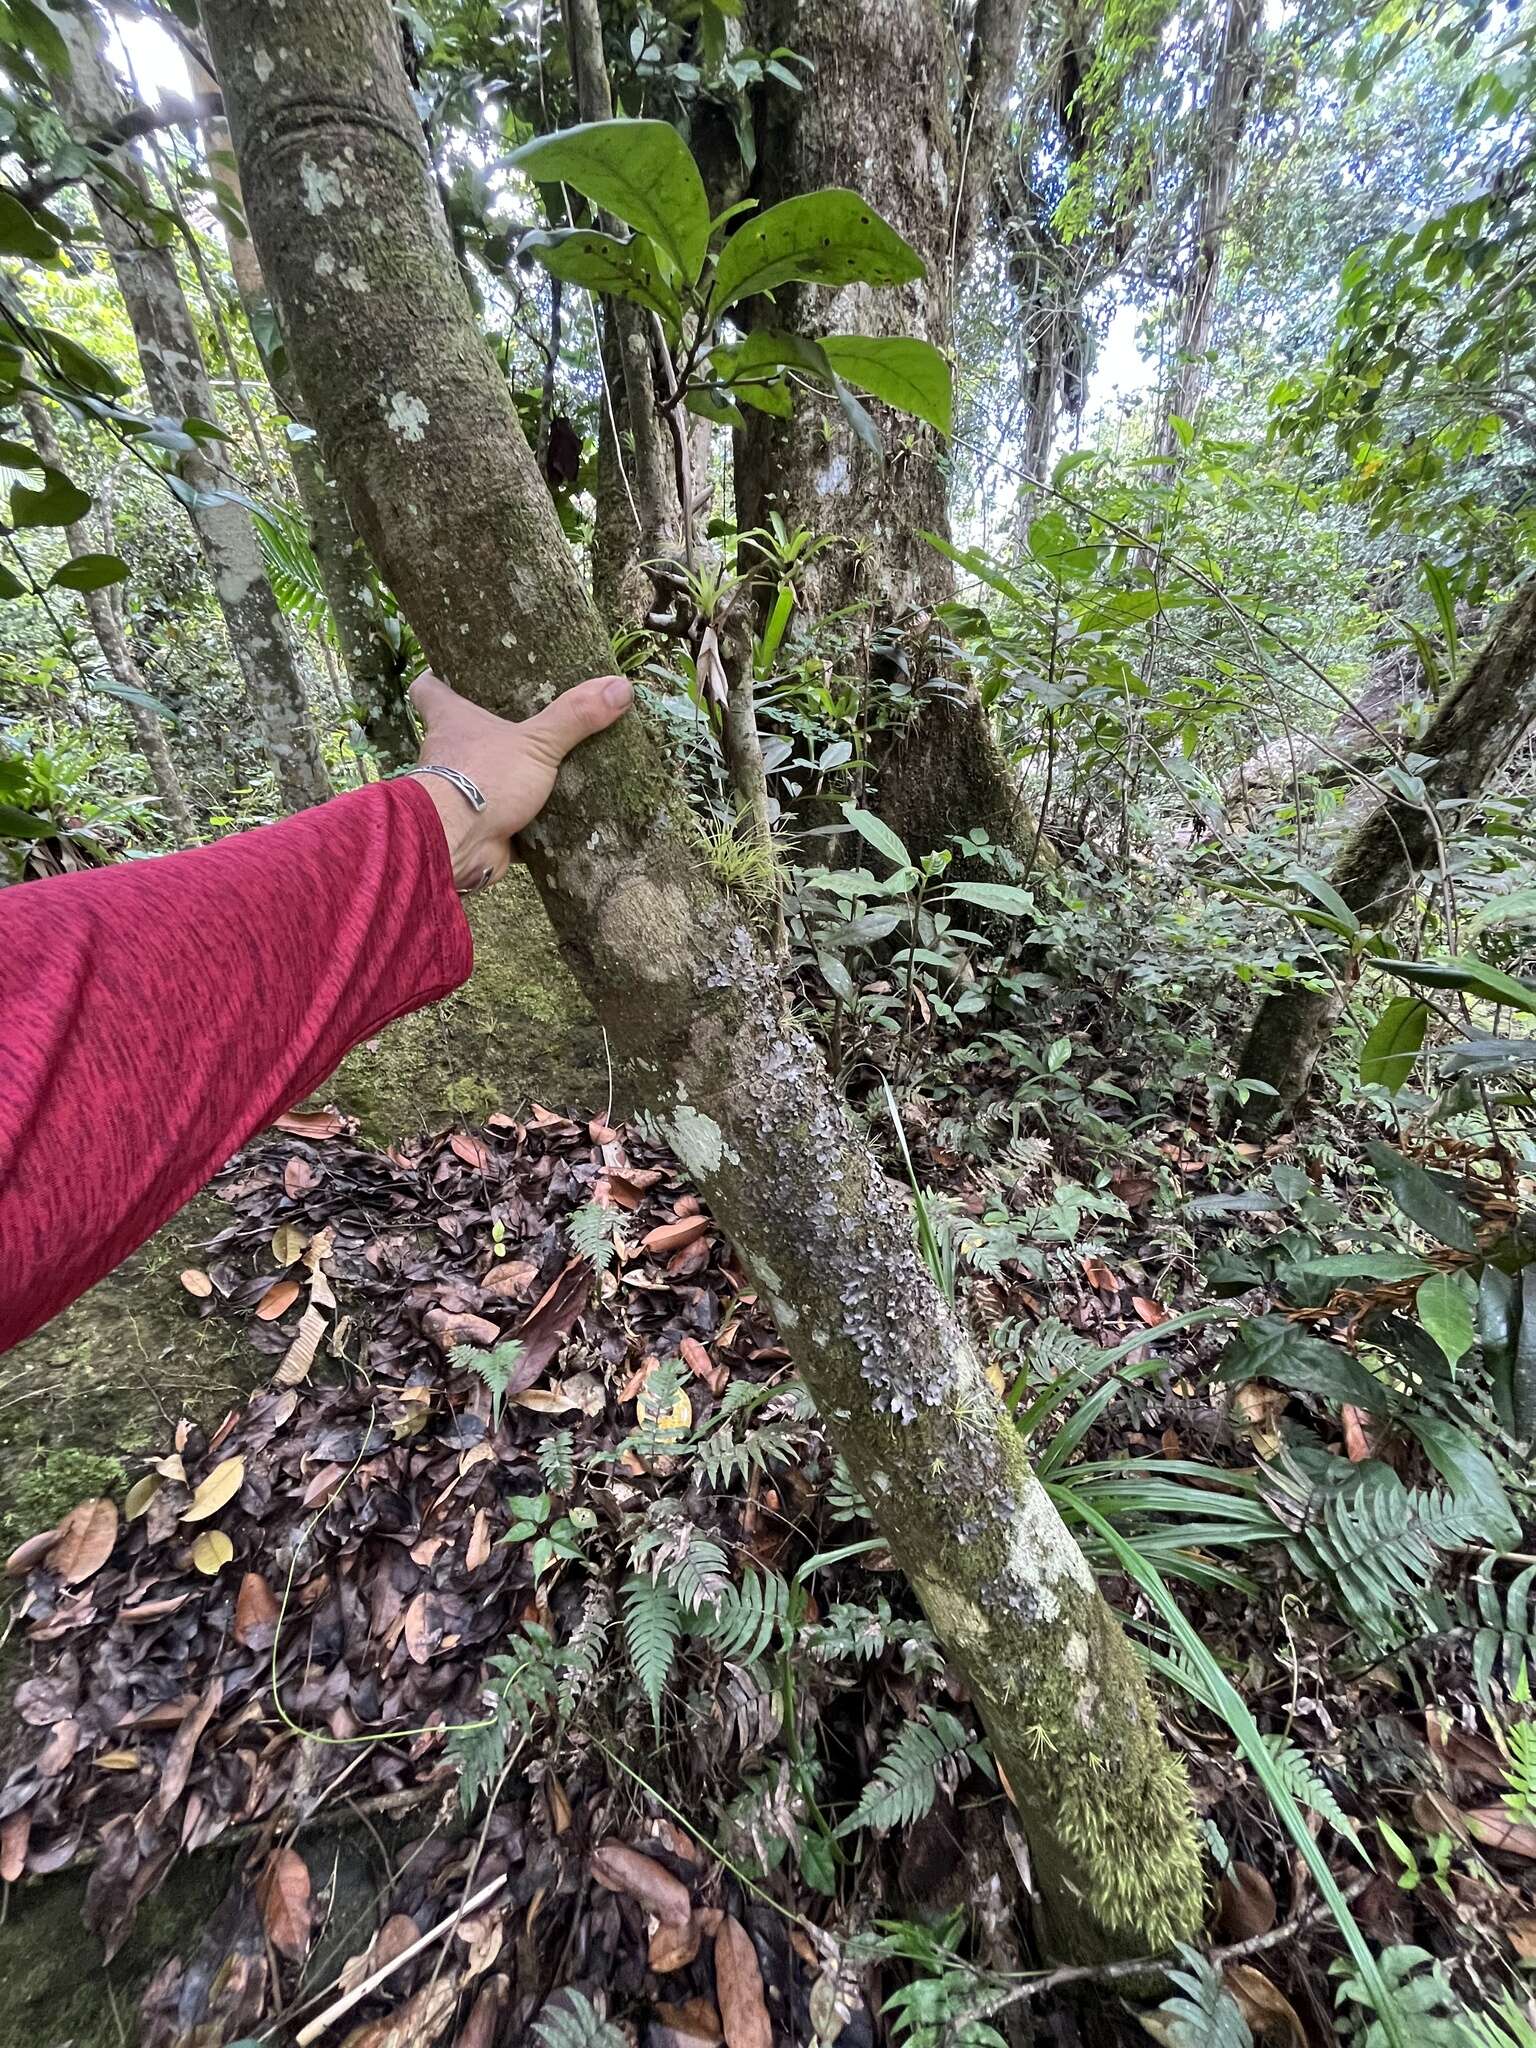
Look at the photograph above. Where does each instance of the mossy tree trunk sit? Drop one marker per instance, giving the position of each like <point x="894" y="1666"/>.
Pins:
<point x="1470" y="737"/>
<point x="419" y="429"/>
<point x="879" y="115"/>
<point x="179" y="388"/>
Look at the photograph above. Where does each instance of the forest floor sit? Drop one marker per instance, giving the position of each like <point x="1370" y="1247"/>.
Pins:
<point x="727" y="1790"/>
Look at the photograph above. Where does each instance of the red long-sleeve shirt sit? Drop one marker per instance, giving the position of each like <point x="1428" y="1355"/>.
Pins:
<point x="153" y="1016"/>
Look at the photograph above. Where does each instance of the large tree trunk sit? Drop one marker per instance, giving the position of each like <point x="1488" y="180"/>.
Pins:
<point x="421" y="434"/>
<point x="1226" y="113"/>
<point x="882" y="77"/>
<point x="1470" y="737"/>
<point x="369" y="654"/>
<point x="179" y="388"/>
<point x="148" y="733"/>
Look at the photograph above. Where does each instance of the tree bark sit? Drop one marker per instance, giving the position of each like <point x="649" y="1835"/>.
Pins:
<point x="1470" y="737"/>
<point x="882" y="77"/>
<point x="422" y="436"/>
<point x="148" y="733"/>
<point x="370" y="656"/>
<point x="179" y="388"/>
<point x="1226" y="114"/>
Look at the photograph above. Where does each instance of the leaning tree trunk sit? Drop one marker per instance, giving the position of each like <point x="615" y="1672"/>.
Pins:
<point x="421" y="434"/>
<point x="1226" y="114"/>
<point x="148" y="733"/>
<point x="370" y="656"/>
<point x="1473" y="733"/>
<point x="179" y="388"/>
<point x="882" y="73"/>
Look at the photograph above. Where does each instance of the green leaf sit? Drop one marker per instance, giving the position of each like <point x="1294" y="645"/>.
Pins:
<point x="639" y="170"/>
<point x="879" y="835"/>
<point x="864" y="429"/>
<point x="625" y="270"/>
<point x="1469" y="1472"/>
<point x="10" y="585"/>
<point x="1472" y="977"/>
<point x="1270" y="1348"/>
<point x="90" y="572"/>
<point x="1322" y="891"/>
<point x="1056" y="547"/>
<point x="19" y="455"/>
<point x="20" y="234"/>
<point x="57" y="502"/>
<point x="1000" y="896"/>
<point x="900" y="370"/>
<point x="829" y="237"/>
<point x="39" y="37"/>
<point x="1498" y="1327"/>
<point x="1387" y="1267"/>
<point x="1397" y="1038"/>
<point x="80" y="366"/>
<point x="981" y="566"/>
<point x="18" y="824"/>
<point x="709" y="402"/>
<point x="1518" y="907"/>
<point x="1424" y="1197"/>
<point x="1444" y="1306"/>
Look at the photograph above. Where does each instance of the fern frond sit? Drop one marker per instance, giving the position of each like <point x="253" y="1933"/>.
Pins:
<point x="557" y="1461"/>
<point x="1378" y="1544"/>
<point x="653" y="1621"/>
<point x="477" y="1753"/>
<point x="849" y="1630"/>
<point x="582" y="1653"/>
<point x="925" y="1755"/>
<point x="293" y="571"/>
<point x="590" y="1230"/>
<point x="1202" y="2013"/>
<point x="699" y="1574"/>
<point x="571" y="2020"/>
<point x="1504" y="1645"/>
<point x="1520" y="1770"/>
<point x="744" y="1619"/>
<point x="495" y="1367"/>
<point x="1305" y="1786"/>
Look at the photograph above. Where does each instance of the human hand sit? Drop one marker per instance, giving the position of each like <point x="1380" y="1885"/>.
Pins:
<point x="514" y="765"/>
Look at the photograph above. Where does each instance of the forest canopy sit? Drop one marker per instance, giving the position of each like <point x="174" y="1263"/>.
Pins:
<point x="912" y="1420"/>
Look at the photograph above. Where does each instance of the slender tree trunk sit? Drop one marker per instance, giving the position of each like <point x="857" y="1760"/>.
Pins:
<point x="1226" y="113"/>
<point x="619" y="587"/>
<point x="1470" y="737"/>
<point x="179" y="388"/>
<point x="148" y="732"/>
<point x="441" y="483"/>
<point x="882" y="74"/>
<point x="370" y="655"/>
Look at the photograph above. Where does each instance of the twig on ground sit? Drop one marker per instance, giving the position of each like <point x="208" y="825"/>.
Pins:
<point x="342" y="2006"/>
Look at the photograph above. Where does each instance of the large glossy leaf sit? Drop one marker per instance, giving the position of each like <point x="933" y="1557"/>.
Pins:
<point x="91" y="572"/>
<point x="639" y="170"/>
<point x="56" y="502"/>
<point x="1445" y="1309"/>
<point x="1270" y="1348"/>
<point x="899" y="369"/>
<point x="625" y="270"/>
<point x="1396" y="1040"/>
<point x="1429" y="1200"/>
<point x="21" y="235"/>
<point x="878" y="833"/>
<point x="831" y="238"/>
<point x="1472" y="977"/>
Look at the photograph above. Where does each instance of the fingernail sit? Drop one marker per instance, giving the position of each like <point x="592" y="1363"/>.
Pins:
<point x="617" y="693"/>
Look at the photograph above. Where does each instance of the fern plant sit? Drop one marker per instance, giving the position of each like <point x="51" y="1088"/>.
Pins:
<point x="1504" y="1639"/>
<point x="927" y="1755"/>
<point x="495" y="1367"/>
<point x="653" y="1622"/>
<point x="557" y="1461"/>
<point x="1202" y="2013"/>
<point x="590" y="1230"/>
<point x="571" y="2020"/>
<point x="1293" y="1770"/>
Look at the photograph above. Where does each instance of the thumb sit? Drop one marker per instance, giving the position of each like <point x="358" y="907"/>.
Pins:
<point x="431" y="696"/>
<point x="576" y="714"/>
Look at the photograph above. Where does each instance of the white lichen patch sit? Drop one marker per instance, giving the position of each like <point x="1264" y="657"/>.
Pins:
<point x="1041" y="1555"/>
<point x="354" y="279"/>
<point x="321" y="188"/>
<point x="697" y="1140"/>
<point x="325" y="264"/>
<point x="406" y="415"/>
<point x="1076" y="1655"/>
<point x="261" y="64"/>
<point x="956" y="1617"/>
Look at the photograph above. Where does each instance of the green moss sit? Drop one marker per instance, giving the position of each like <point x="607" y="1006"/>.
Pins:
<point x="517" y="1031"/>
<point x="47" y="1489"/>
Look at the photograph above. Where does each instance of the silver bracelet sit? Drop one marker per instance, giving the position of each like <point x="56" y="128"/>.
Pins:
<point x="472" y="793"/>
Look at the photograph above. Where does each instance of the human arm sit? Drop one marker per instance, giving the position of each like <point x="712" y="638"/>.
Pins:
<point x="155" y="1014"/>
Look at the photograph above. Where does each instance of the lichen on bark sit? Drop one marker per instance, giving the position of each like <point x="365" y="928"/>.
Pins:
<point x="419" y="430"/>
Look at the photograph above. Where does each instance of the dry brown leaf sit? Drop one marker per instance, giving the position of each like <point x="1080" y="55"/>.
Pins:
<point x="447" y="1328"/>
<point x="318" y="1124"/>
<point x="693" y="2024"/>
<point x="479" y="2030"/>
<point x="287" y="1245"/>
<point x="84" y="1541"/>
<point x="256" y="1612"/>
<point x="14" y="1832"/>
<point x="29" y="1553"/>
<point x="117" y="1760"/>
<point x="140" y="1494"/>
<point x="216" y="1491"/>
<point x="300" y="1355"/>
<point x="1492" y="1826"/>
<point x="196" y="1282"/>
<point x="544" y="1401"/>
<point x="739" y="1988"/>
<point x="642" y="1878"/>
<point x="59" y="1750"/>
<point x="178" y="1762"/>
<point x="512" y="1279"/>
<point x="392" y="1940"/>
<point x="469" y="1150"/>
<point x="699" y="1363"/>
<point x="479" y="1542"/>
<point x="671" y="1237"/>
<point x="211" y="1551"/>
<point x="282" y="1893"/>
<point x="277" y="1300"/>
<point x="423" y="1628"/>
<point x="674" y="1948"/>
<point x="1148" y="1311"/>
<point x="416" y="2024"/>
<point x="1265" y="2007"/>
<point x="482" y="1935"/>
<point x="299" y="1178"/>
<point x="1245" y="1903"/>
